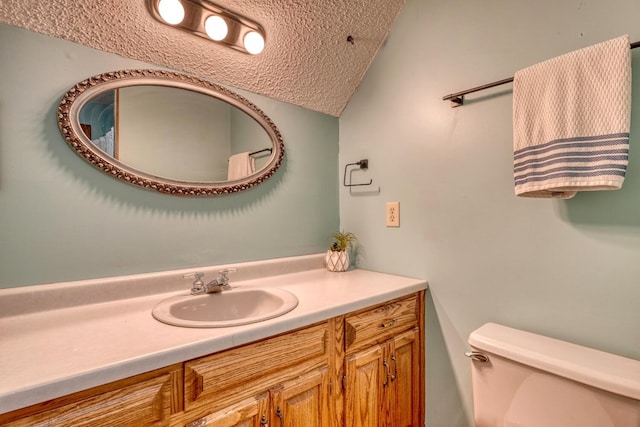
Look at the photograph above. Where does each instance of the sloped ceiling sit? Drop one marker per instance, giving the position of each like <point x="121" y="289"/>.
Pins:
<point x="307" y="60"/>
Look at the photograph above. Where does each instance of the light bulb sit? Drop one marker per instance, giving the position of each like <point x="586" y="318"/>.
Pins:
<point x="171" y="11"/>
<point x="253" y="42"/>
<point x="216" y="27"/>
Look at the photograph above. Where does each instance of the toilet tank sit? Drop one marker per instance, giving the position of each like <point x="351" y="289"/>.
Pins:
<point x="530" y="380"/>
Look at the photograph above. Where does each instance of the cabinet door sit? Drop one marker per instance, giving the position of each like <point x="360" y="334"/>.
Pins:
<point x="406" y="397"/>
<point x="364" y="388"/>
<point x="252" y="412"/>
<point x="383" y="387"/>
<point x="303" y="401"/>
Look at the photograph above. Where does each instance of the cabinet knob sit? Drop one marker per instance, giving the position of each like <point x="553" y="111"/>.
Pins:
<point x="280" y="415"/>
<point x="389" y="323"/>
<point x="263" y="421"/>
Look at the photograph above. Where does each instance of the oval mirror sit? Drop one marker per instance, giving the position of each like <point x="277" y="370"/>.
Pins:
<point x="170" y="132"/>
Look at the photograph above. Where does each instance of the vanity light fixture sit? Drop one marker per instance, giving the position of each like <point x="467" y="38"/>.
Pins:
<point x="211" y="22"/>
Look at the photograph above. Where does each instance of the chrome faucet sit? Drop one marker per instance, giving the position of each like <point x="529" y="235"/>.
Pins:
<point x="217" y="285"/>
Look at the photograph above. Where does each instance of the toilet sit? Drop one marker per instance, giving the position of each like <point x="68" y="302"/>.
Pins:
<point x="521" y="379"/>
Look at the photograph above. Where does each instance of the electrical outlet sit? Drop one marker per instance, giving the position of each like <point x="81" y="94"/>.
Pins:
<point x="393" y="214"/>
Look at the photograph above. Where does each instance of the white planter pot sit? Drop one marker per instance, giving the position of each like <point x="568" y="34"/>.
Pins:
<point x="337" y="260"/>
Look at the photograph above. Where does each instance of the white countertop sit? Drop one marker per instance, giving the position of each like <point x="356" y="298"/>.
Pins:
<point x="57" y="351"/>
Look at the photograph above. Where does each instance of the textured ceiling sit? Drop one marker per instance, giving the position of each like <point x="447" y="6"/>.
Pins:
<point x="307" y="60"/>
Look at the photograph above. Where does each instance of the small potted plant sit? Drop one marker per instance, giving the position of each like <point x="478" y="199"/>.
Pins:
<point x="337" y="258"/>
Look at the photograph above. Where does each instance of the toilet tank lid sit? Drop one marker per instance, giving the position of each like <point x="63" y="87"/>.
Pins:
<point x="596" y="368"/>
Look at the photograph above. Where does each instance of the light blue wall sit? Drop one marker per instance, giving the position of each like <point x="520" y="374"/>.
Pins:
<point x="61" y="219"/>
<point x="568" y="269"/>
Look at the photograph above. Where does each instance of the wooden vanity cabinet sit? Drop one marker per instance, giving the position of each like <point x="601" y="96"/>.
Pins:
<point x="363" y="369"/>
<point x="384" y="365"/>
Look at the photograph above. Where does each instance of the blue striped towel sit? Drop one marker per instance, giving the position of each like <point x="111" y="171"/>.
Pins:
<point x="571" y="121"/>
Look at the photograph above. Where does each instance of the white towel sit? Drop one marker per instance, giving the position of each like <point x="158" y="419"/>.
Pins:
<point x="241" y="165"/>
<point x="571" y="120"/>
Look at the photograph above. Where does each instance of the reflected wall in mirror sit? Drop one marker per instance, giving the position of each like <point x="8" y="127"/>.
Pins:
<point x="170" y="132"/>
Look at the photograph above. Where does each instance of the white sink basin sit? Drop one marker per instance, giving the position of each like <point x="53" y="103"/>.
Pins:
<point x="238" y="306"/>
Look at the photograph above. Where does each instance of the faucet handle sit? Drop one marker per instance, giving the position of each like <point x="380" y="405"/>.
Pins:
<point x="197" y="287"/>
<point x="224" y="274"/>
<point x="195" y="275"/>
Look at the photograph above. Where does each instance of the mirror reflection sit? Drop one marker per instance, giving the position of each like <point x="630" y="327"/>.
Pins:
<point x="175" y="133"/>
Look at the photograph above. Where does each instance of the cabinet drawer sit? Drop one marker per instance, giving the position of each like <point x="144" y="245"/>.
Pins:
<point x="379" y="323"/>
<point x="138" y="401"/>
<point x="231" y="374"/>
